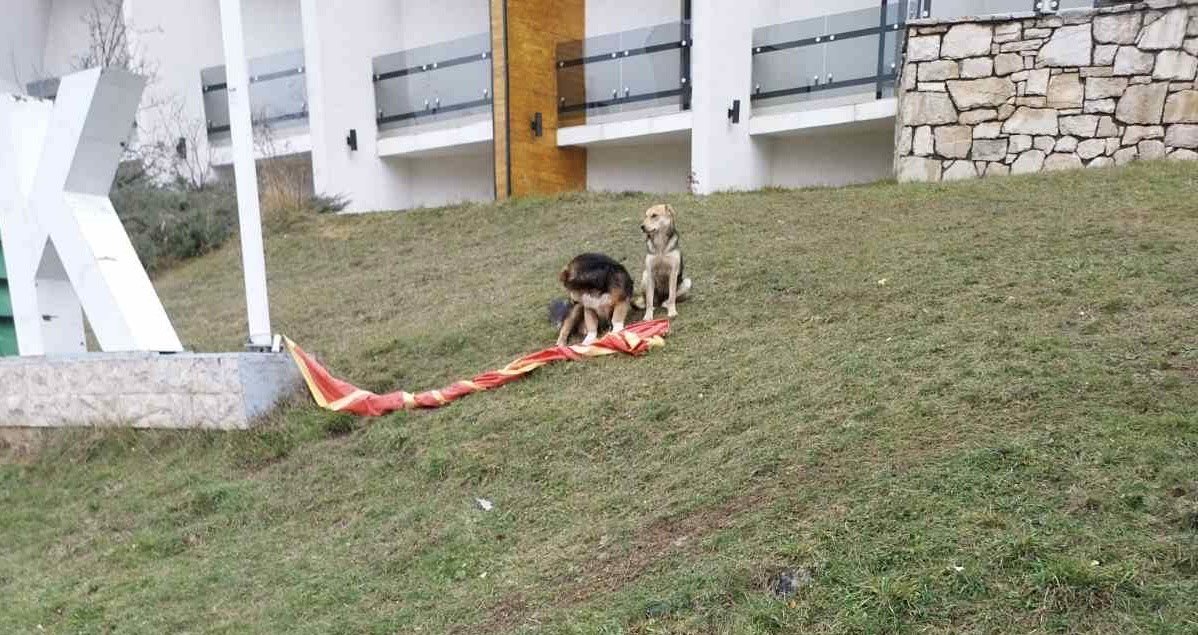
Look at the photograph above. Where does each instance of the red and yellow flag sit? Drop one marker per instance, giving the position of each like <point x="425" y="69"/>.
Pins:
<point x="334" y="394"/>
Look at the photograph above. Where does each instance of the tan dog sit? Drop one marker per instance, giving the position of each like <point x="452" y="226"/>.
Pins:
<point x="663" y="278"/>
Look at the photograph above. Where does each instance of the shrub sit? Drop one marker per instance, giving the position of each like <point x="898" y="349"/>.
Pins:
<point x="288" y="195"/>
<point x="168" y="223"/>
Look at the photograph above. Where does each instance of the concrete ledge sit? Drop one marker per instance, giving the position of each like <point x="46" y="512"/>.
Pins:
<point x="144" y="390"/>
<point x="797" y="121"/>
<point x="463" y="139"/>
<point x="284" y="145"/>
<point x="612" y="133"/>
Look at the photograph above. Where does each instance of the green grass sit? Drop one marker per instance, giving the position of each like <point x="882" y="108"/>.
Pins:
<point x="966" y="408"/>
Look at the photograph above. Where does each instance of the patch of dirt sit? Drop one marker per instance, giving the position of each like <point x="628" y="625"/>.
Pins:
<point x="20" y="445"/>
<point x="508" y="613"/>
<point x="1188" y="372"/>
<point x="610" y="572"/>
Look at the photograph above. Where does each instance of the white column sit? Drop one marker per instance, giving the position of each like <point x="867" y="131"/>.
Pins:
<point x="723" y="155"/>
<point x="319" y="115"/>
<point x="253" y="258"/>
<point x="339" y="41"/>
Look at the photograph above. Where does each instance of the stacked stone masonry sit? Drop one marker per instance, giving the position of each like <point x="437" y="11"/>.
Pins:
<point x="1017" y="94"/>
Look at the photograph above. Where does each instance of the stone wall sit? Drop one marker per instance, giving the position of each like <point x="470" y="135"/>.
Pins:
<point x="1025" y="93"/>
<point x="143" y="390"/>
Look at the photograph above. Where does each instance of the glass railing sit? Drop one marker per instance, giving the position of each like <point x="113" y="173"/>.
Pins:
<point x="621" y="72"/>
<point x="278" y="93"/>
<point x="830" y="56"/>
<point x="857" y="52"/>
<point x="447" y="80"/>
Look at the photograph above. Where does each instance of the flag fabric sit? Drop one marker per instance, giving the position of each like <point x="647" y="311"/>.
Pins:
<point x="334" y="394"/>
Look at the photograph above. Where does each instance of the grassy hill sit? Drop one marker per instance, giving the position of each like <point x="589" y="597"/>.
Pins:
<point x="965" y="408"/>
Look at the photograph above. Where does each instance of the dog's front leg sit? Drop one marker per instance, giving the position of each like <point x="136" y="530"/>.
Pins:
<point x="568" y="324"/>
<point x="647" y="284"/>
<point x="672" y="300"/>
<point x="592" y="320"/>
<point x="618" y="315"/>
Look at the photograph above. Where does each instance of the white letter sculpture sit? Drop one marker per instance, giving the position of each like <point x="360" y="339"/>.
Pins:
<point x="66" y="251"/>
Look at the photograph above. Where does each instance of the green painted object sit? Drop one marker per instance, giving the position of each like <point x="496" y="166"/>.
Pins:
<point x="8" y="338"/>
<point x="8" y="328"/>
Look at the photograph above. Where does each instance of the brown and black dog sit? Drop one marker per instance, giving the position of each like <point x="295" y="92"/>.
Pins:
<point x="600" y="290"/>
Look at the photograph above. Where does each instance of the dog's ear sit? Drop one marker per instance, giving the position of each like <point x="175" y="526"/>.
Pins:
<point x="669" y="209"/>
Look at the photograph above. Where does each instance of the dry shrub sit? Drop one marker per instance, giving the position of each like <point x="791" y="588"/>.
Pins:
<point x="286" y="189"/>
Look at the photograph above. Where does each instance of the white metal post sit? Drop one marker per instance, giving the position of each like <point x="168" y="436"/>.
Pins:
<point x="253" y="257"/>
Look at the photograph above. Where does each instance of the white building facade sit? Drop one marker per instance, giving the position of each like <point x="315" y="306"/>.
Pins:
<point x="396" y="104"/>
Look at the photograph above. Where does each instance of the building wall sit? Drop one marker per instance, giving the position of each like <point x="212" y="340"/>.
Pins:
<point x="768" y="12"/>
<point x="661" y="167"/>
<point x="831" y="158"/>
<point x="177" y="44"/>
<point x="66" y="36"/>
<point x="613" y="16"/>
<point x="342" y="38"/>
<point x="423" y="22"/>
<point x="448" y="180"/>
<point x="1097" y="88"/>
<point x="430" y="181"/>
<point x="271" y="26"/>
<point x="719" y="154"/>
<point x="23" y="41"/>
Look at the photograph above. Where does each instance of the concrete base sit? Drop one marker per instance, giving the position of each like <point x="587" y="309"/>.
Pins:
<point x="226" y="391"/>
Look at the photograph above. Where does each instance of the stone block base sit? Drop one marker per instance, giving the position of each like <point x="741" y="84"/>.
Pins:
<point x="141" y="390"/>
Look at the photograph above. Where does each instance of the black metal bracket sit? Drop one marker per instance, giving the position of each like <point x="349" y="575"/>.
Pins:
<point x="538" y="125"/>
<point x="734" y="111"/>
<point x="352" y="139"/>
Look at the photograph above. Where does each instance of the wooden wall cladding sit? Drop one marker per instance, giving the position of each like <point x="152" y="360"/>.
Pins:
<point x="525" y="35"/>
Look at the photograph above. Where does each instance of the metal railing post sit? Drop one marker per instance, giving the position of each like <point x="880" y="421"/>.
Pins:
<point x="881" y="49"/>
<point x="685" y="54"/>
